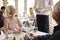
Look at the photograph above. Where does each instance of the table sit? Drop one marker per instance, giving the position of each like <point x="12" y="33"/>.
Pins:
<point x="38" y="33"/>
<point x="19" y="36"/>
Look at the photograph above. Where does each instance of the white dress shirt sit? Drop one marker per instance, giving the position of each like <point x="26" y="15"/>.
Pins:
<point x="41" y="5"/>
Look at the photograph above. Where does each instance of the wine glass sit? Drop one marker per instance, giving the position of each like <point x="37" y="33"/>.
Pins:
<point x="35" y="29"/>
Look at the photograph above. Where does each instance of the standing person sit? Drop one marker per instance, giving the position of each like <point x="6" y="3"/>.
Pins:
<point x="42" y="8"/>
<point x="2" y="18"/>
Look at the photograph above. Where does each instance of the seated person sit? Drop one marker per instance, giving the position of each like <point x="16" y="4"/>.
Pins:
<point x="2" y="18"/>
<point x="12" y="24"/>
<point x="31" y="17"/>
<point x="56" y="33"/>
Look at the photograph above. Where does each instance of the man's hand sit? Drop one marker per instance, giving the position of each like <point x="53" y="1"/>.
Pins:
<point x="26" y="37"/>
<point x="37" y="10"/>
<point x="43" y="9"/>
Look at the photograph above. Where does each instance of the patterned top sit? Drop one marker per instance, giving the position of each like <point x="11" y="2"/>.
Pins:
<point x="12" y="24"/>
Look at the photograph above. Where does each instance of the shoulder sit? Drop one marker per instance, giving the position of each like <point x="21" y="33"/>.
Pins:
<point x="6" y="19"/>
<point x="56" y="28"/>
<point x="57" y="34"/>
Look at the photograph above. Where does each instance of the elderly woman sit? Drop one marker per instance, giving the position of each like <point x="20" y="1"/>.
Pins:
<point x="56" y="17"/>
<point x="12" y="24"/>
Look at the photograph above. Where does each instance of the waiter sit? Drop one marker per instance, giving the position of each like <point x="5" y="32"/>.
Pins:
<point x="42" y="9"/>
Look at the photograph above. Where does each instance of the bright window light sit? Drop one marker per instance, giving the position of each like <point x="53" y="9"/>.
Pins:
<point x="11" y="2"/>
<point x="20" y="8"/>
<point x="1" y="3"/>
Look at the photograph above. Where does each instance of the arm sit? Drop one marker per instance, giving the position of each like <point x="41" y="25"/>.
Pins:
<point x="46" y="9"/>
<point x="35" y="4"/>
<point x="43" y="9"/>
<point x="55" y="36"/>
<point x="19" y="23"/>
<point x="44" y="37"/>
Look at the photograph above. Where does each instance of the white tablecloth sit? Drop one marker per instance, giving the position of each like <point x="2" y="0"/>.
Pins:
<point x="20" y="35"/>
<point x="11" y="36"/>
<point x="38" y="33"/>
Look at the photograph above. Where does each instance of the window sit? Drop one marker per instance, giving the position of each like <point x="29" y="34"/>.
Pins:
<point x="54" y="2"/>
<point x="20" y="8"/>
<point x="11" y="2"/>
<point x="1" y="3"/>
<point x="30" y="3"/>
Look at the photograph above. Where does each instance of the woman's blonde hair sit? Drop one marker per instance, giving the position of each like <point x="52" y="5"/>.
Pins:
<point x="8" y="10"/>
<point x="56" y="12"/>
<point x="31" y="11"/>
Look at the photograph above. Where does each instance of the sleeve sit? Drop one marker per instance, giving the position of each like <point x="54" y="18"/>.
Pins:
<point x="1" y="18"/>
<point x="36" y="4"/>
<point x="5" y="25"/>
<point x="55" y="36"/>
<point x="44" y="37"/>
<point x="19" y="22"/>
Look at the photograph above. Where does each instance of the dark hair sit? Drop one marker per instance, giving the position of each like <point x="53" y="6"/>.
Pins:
<point x="3" y="7"/>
